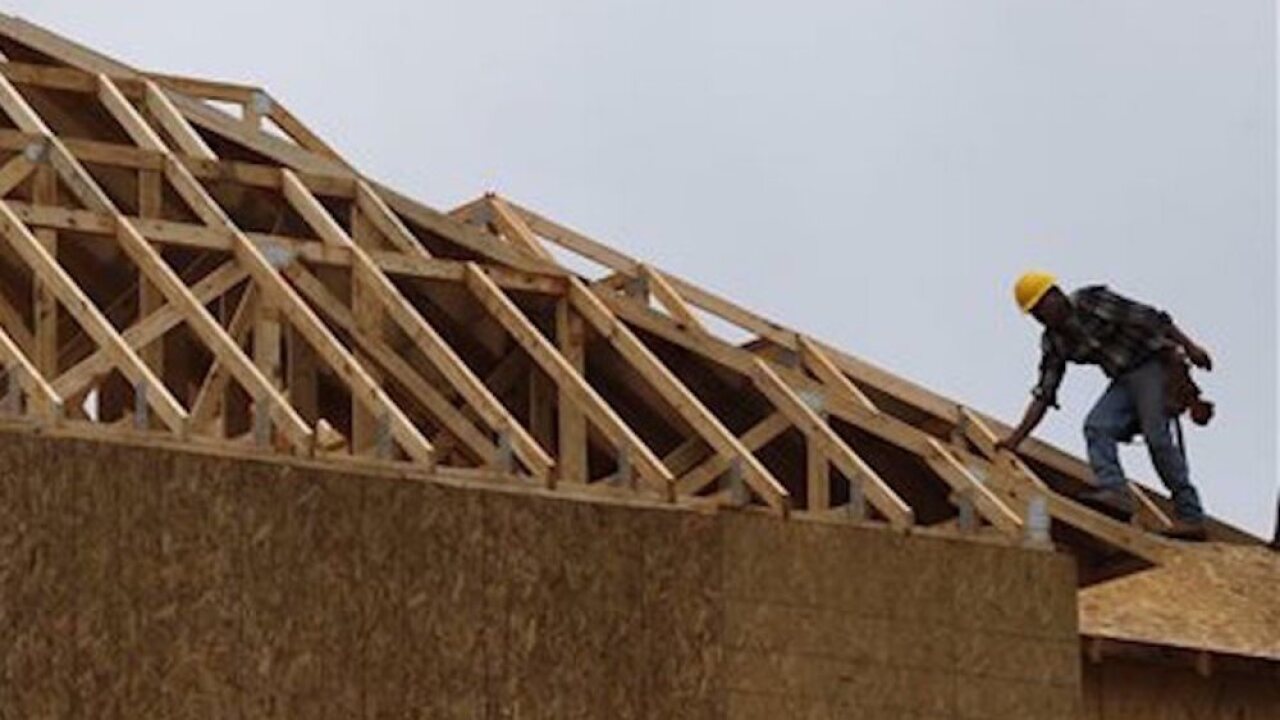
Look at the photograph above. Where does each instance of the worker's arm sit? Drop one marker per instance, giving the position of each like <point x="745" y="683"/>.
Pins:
<point x="1053" y="367"/>
<point x="1036" y="410"/>
<point x="1195" y="353"/>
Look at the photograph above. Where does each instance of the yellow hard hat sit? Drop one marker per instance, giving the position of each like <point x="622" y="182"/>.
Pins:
<point x="1031" y="287"/>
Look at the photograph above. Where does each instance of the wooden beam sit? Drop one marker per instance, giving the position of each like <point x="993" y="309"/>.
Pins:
<point x="150" y="299"/>
<point x="402" y="312"/>
<point x="12" y="320"/>
<point x="211" y="238"/>
<point x="299" y="132"/>
<point x="148" y="330"/>
<point x="19" y="110"/>
<point x="275" y="290"/>
<point x="962" y="482"/>
<point x="162" y="109"/>
<point x="568" y="379"/>
<point x="674" y="392"/>
<point x="571" y="341"/>
<point x="15" y="172"/>
<point x="1014" y="477"/>
<point x="394" y="364"/>
<point x="835" y="448"/>
<point x="759" y="435"/>
<point x="44" y="304"/>
<point x="124" y="113"/>
<point x="211" y="396"/>
<point x="91" y="319"/>
<point x="387" y="222"/>
<point x="670" y="298"/>
<point x="817" y="362"/>
<point x="817" y="474"/>
<point x="225" y="350"/>
<point x="42" y="396"/>
<point x="514" y="229"/>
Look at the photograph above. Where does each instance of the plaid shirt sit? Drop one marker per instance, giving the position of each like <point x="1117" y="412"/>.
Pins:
<point x="1106" y="329"/>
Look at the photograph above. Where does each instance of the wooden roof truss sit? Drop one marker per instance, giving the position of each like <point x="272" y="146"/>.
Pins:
<point x="172" y="268"/>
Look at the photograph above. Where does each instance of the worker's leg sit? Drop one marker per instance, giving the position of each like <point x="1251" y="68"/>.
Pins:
<point x="1146" y="385"/>
<point x="1108" y="422"/>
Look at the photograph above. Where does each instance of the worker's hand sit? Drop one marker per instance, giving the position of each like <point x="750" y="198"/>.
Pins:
<point x="1199" y="357"/>
<point x="1010" y="443"/>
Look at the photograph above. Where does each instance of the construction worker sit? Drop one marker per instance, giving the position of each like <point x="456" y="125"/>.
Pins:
<point x="1096" y="326"/>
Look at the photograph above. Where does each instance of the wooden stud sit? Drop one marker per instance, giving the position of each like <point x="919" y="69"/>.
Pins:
<point x="567" y="379"/>
<point x="419" y="331"/>
<point x="91" y="319"/>
<point x="277" y="292"/>
<point x="41" y="394"/>
<point x="817" y="362"/>
<point x="150" y="299"/>
<point x="211" y="396"/>
<point x="670" y="298"/>
<point x="387" y="222"/>
<point x="162" y="109"/>
<point x="514" y="229"/>
<point x="15" y="172"/>
<point x="571" y="341"/>
<point x="834" y="447"/>
<point x="686" y="404"/>
<point x="759" y="435"/>
<point x="397" y="368"/>
<point x="125" y="114"/>
<point x="987" y="503"/>
<point x="818" y="474"/>
<point x="44" y="302"/>
<point x="147" y="330"/>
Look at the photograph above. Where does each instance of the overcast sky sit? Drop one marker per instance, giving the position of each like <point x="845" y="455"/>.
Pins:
<point x="872" y="172"/>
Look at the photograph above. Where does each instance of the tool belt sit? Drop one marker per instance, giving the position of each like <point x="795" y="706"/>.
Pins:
<point x="1181" y="394"/>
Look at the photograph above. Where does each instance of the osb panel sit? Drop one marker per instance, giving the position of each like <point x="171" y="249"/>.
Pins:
<point x="1232" y="608"/>
<point x="1133" y="690"/>
<point x="37" y="582"/>
<point x="825" y="620"/>
<point x="446" y="571"/>
<point x="682" y="675"/>
<point x="145" y="583"/>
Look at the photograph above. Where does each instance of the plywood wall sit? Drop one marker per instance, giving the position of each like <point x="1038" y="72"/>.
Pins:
<point x="148" y="583"/>
<point x="1127" y="689"/>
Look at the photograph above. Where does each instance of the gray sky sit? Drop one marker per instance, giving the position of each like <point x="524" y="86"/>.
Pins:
<point x="873" y="172"/>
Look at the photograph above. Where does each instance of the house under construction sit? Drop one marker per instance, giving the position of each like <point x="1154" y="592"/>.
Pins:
<point x="279" y="441"/>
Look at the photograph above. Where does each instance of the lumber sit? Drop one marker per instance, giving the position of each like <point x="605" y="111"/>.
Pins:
<point x="514" y="229"/>
<point x="690" y="408"/>
<point x="568" y="379"/>
<point x="162" y="109"/>
<point x="276" y="291"/>
<point x="878" y="492"/>
<point x="396" y="366"/>
<point x="21" y="369"/>
<point x="91" y="319"/>
<point x="148" y="330"/>
<point x="571" y="341"/>
<point x="211" y="394"/>
<point x="416" y="327"/>
<point x="15" y="172"/>
<point x="669" y="297"/>
<point x="987" y="503"/>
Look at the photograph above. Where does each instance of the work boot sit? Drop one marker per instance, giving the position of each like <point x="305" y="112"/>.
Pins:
<point x="1189" y="530"/>
<point x="1115" y="504"/>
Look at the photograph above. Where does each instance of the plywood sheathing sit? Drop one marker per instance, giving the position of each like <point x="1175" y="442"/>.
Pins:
<point x="146" y="582"/>
<point x="1216" y="597"/>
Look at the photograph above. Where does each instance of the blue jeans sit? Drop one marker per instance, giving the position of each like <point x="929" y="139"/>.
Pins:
<point x="1135" y="402"/>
